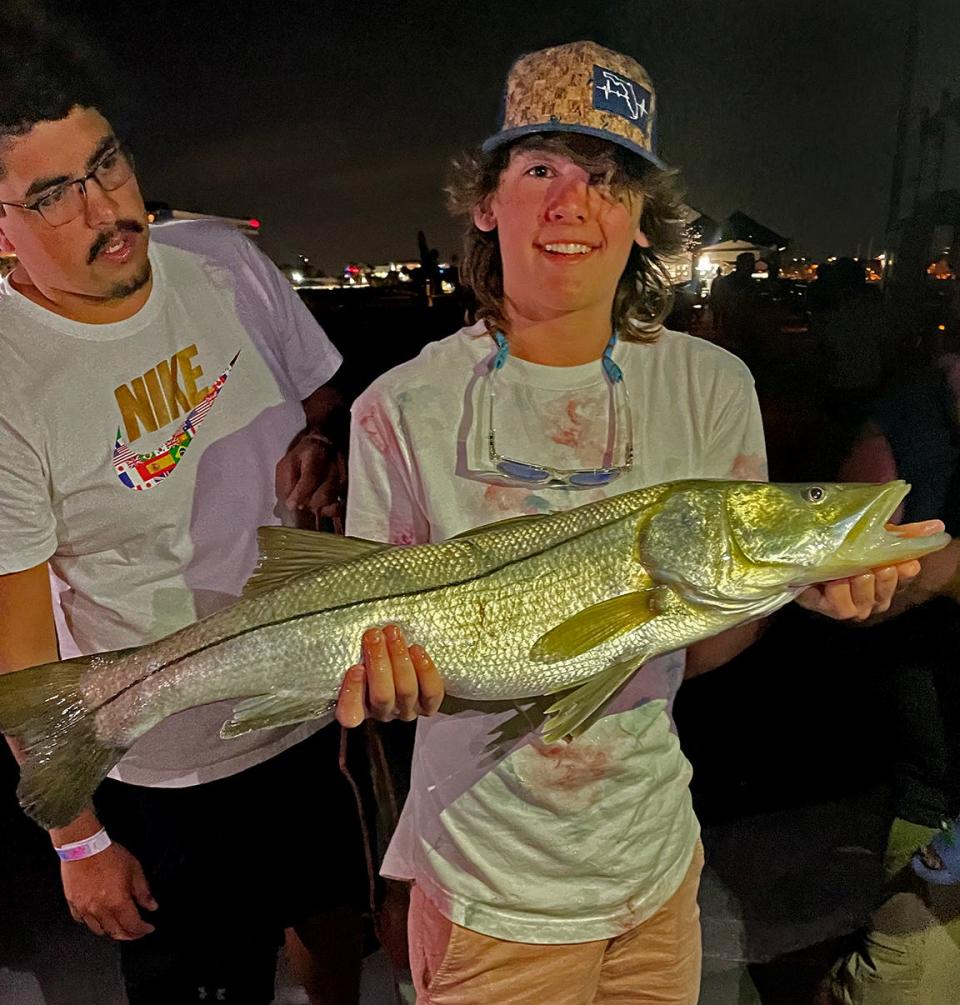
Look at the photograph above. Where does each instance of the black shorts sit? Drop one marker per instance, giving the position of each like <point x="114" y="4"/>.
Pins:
<point x="234" y="862"/>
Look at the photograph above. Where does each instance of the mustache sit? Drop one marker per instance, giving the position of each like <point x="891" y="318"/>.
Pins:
<point x="103" y="240"/>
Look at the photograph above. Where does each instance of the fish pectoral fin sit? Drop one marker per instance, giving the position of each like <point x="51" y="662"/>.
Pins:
<point x="575" y="711"/>
<point x="286" y="552"/>
<point x="264" y="711"/>
<point x="594" y="625"/>
<point x="526" y="718"/>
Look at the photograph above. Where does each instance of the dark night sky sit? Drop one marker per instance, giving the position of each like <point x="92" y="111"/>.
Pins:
<point x="334" y="123"/>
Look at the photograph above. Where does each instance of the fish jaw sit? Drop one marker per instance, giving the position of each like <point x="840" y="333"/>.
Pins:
<point x="868" y="544"/>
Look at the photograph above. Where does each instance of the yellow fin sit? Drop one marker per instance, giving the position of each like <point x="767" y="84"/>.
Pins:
<point x="576" y="710"/>
<point x="266" y="710"/>
<point x="594" y="625"/>
<point x="286" y="552"/>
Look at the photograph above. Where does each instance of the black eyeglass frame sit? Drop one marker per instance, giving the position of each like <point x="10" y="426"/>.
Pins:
<point x="80" y="183"/>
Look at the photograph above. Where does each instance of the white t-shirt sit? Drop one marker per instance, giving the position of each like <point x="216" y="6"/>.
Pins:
<point x="139" y="462"/>
<point x="569" y="842"/>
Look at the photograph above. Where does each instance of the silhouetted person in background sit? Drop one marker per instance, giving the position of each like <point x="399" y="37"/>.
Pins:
<point x="909" y="953"/>
<point x="716" y="299"/>
<point x="849" y="327"/>
<point x="771" y="288"/>
<point x="739" y="314"/>
<point x="821" y="292"/>
<point x="429" y="274"/>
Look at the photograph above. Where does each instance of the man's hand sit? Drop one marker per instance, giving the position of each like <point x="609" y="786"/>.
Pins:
<point x="103" y="892"/>
<point x="394" y="681"/>
<point x="872" y="593"/>
<point x="312" y="475"/>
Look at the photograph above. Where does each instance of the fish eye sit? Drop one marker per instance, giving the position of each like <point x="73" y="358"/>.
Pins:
<point x="814" y="494"/>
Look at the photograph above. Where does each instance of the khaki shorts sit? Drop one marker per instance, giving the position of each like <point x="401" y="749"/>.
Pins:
<point x="656" y="963"/>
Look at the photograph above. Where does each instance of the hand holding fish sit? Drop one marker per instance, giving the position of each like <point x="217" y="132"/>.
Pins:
<point x="394" y="681"/>
<point x="862" y="597"/>
<point x="312" y="475"/>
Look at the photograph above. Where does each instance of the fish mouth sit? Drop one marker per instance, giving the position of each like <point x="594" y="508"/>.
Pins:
<point x="869" y="544"/>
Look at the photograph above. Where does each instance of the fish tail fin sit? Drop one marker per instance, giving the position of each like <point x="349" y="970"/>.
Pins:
<point x="43" y="707"/>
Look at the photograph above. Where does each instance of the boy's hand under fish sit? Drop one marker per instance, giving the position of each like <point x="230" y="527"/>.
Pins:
<point x="400" y="681"/>
<point x="394" y="681"/>
<point x="862" y="597"/>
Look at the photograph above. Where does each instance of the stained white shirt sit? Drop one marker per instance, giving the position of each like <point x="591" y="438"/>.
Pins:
<point x="567" y="842"/>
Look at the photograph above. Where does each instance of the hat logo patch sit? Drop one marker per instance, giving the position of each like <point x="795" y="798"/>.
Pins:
<point x="622" y="96"/>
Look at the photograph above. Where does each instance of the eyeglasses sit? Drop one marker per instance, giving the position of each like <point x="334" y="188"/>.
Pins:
<point x="66" y="202"/>
<point x="543" y="474"/>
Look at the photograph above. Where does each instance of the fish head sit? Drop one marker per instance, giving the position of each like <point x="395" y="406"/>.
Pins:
<point x="743" y="540"/>
<point x="824" y="531"/>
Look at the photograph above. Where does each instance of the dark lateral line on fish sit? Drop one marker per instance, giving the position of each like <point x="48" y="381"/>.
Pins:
<point x="341" y="607"/>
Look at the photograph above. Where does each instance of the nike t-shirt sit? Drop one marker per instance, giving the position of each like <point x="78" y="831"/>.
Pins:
<point x="139" y="458"/>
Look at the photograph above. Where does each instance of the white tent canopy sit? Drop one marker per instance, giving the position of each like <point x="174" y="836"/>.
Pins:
<point x="725" y="252"/>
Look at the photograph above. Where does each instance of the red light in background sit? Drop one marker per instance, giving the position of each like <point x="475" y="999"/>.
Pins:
<point x="255" y="223"/>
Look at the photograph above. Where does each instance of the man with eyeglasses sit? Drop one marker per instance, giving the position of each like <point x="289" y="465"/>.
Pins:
<point x="562" y="873"/>
<point x="156" y="389"/>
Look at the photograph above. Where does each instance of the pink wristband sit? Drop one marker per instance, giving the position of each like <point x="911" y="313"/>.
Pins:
<point x="86" y="848"/>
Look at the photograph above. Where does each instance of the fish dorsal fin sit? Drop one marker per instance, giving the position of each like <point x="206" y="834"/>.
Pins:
<point x="513" y="521"/>
<point x="595" y="625"/>
<point x="577" y="710"/>
<point x="286" y="552"/>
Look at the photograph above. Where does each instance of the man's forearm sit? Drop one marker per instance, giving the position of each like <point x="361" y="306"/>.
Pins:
<point x="28" y="638"/>
<point x="327" y="413"/>
<point x="84" y="826"/>
<point x="79" y="829"/>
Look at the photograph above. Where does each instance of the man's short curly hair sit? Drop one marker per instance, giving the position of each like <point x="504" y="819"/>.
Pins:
<point x="644" y="293"/>
<point x="40" y="81"/>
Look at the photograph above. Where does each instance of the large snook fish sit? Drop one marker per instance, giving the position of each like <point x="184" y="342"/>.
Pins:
<point x="572" y="601"/>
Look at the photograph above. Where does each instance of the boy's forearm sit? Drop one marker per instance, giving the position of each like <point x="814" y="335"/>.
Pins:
<point x="720" y="649"/>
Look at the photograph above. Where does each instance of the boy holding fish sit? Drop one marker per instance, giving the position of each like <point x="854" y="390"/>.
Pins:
<point x="555" y="872"/>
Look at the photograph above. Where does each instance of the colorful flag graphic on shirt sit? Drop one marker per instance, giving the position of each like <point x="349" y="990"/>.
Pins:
<point x="144" y="471"/>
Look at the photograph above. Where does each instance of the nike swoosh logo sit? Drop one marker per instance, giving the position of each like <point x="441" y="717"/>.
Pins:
<point x="145" y="471"/>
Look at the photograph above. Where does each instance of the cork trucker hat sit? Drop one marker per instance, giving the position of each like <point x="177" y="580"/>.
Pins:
<point x="580" y="87"/>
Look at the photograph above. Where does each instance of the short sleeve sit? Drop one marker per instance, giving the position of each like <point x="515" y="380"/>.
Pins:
<point x="27" y="525"/>
<point x="382" y="500"/>
<point x="292" y="335"/>
<point x="738" y="431"/>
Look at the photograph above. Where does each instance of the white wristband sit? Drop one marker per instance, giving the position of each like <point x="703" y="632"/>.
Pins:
<point x="86" y="848"/>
